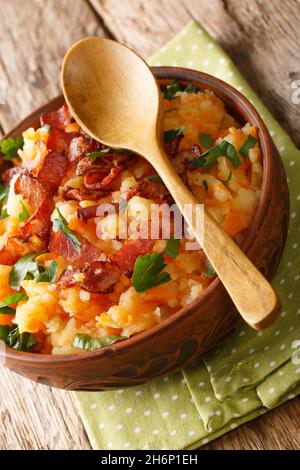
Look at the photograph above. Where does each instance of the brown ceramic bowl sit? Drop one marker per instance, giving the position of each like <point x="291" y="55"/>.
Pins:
<point x="198" y="328"/>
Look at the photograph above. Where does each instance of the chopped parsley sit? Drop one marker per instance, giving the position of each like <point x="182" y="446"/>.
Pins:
<point x="205" y="185"/>
<point x="12" y="337"/>
<point x="173" y="134"/>
<point x="191" y="88"/>
<point x="205" y="140"/>
<point x="9" y="147"/>
<point x="25" y="266"/>
<point x="89" y="343"/>
<point x="24" y="215"/>
<point x="61" y="225"/>
<point x="225" y="182"/>
<point x="247" y="145"/>
<point x="173" y="247"/>
<point x="171" y="90"/>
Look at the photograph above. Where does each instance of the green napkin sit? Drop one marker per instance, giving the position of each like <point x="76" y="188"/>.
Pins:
<point x="251" y="371"/>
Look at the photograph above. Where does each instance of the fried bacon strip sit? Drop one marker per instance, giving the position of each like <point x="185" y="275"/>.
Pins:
<point x="58" y="118"/>
<point x="97" y="278"/>
<point x="53" y="171"/>
<point x="126" y="256"/>
<point x="60" y="141"/>
<point x="62" y="245"/>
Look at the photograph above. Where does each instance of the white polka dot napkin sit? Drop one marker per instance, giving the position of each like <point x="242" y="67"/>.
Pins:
<point x="252" y="371"/>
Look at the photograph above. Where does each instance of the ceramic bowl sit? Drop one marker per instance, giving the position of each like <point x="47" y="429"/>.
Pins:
<point x="196" y="329"/>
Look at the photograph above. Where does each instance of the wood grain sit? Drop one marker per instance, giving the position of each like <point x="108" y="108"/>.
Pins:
<point x="261" y="37"/>
<point x="35" y="36"/>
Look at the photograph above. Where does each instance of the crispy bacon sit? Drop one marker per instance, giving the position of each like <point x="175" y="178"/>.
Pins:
<point x="8" y="175"/>
<point x="62" y="245"/>
<point x="101" y="179"/>
<point x="172" y="147"/>
<point x="31" y="189"/>
<point x="58" y="118"/>
<point x="83" y="194"/>
<point x="81" y="145"/>
<point x="53" y="171"/>
<point x="150" y="189"/>
<point x="60" y="141"/>
<point x="126" y="256"/>
<point x="99" y="277"/>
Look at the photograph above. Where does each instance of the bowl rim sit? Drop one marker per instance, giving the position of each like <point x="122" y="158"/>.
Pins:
<point x="232" y="98"/>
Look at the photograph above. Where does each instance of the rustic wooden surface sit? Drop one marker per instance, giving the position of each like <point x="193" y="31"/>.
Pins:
<point x="261" y="36"/>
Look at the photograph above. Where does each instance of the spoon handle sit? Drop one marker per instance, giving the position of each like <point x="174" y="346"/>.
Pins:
<point x="251" y="293"/>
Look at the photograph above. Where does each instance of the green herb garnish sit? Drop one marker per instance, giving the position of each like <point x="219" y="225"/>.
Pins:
<point x="156" y="179"/>
<point x="100" y="153"/>
<point x="9" y="147"/>
<point x="148" y="272"/>
<point x="88" y="343"/>
<point x="207" y="159"/>
<point x="205" y="185"/>
<point x="205" y="140"/>
<point x="191" y="88"/>
<point x="24" y="215"/>
<point x="3" y="214"/>
<point x="171" y="90"/>
<point x="247" y="145"/>
<point x="61" y="225"/>
<point x="170" y="110"/>
<point x="173" y="247"/>
<point x="22" y="268"/>
<point x="4" y="190"/>
<point x="225" y="182"/>
<point x="172" y="134"/>
<point x="209" y="271"/>
<point x="232" y="155"/>
<point x="12" y="337"/>
<point x="46" y="275"/>
<point x="10" y="300"/>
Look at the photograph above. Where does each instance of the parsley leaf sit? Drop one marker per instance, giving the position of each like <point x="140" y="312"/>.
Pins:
<point x="209" y="271"/>
<point x="3" y="197"/>
<point x="172" y="248"/>
<point x="46" y="275"/>
<point x="12" y="337"/>
<point x="10" y="300"/>
<point x="156" y="178"/>
<point x="232" y="155"/>
<point x="205" y="185"/>
<point x="3" y="192"/>
<point x="172" y="134"/>
<point x="247" y="145"/>
<point x="205" y="140"/>
<point x="225" y="182"/>
<point x="87" y="342"/>
<point x="47" y="128"/>
<point x="171" y="90"/>
<point x="61" y="225"/>
<point x="170" y="110"/>
<point x="21" y="268"/>
<point x="24" y="215"/>
<point x="207" y="159"/>
<point x="9" y="147"/>
<point x="147" y="272"/>
<point x="3" y="214"/>
<point x="191" y="88"/>
<point x="100" y="153"/>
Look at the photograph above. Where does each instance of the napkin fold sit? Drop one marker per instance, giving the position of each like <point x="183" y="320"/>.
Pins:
<point x="251" y="372"/>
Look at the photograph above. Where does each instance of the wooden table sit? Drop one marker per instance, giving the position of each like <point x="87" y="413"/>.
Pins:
<point x="261" y="36"/>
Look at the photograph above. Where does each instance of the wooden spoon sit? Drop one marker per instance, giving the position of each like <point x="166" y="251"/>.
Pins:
<point x="115" y="98"/>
